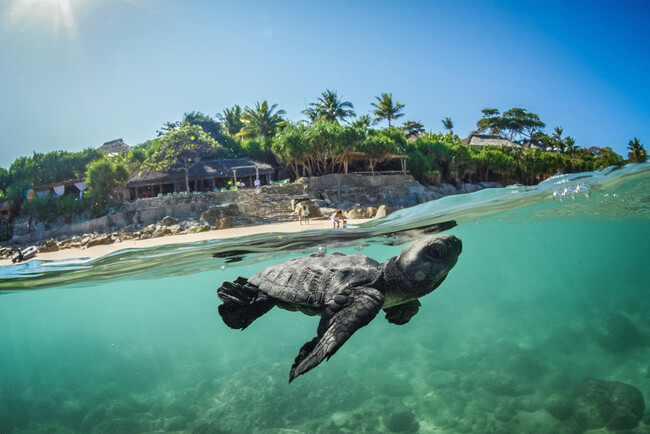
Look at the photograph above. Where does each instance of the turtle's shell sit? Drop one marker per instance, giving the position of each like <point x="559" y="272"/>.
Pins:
<point x="314" y="280"/>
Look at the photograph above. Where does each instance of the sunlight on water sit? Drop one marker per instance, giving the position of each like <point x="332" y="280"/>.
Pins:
<point x="541" y="322"/>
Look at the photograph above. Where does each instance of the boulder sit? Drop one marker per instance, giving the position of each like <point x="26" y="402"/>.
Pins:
<point x="99" y="241"/>
<point x="369" y="212"/>
<point x="49" y="246"/>
<point x="169" y="221"/>
<point x="618" y="334"/>
<point x="225" y="223"/>
<point x="212" y="216"/>
<point x="382" y="211"/>
<point x="599" y="404"/>
<point x="354" y="214"/>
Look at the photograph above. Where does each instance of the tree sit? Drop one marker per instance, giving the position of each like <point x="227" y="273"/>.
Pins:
<point x="412" y="129"/>
<point x="363" y="122"/>
<point x="103" y="176"/>
<point x="329" y="107"/>
<point x="207" y="124"/>
<point x="231" y="119"/>
<point x="514" y="123"/>
<point x="183" y="147"/>
<point x="569" y="144"/>
<point x="386" y="109"/>
<point x="291" y="148"/>
<point x="261" y="121"/>
<point x="376" y="147"/>
<point x="449" y="125"/>
<point x="637" y="152"/>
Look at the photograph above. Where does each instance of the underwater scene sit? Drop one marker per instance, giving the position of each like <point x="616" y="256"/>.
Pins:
<point x="542" y="326"/>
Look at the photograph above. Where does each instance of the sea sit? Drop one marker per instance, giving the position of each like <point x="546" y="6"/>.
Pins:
<point x="543" y="326"/>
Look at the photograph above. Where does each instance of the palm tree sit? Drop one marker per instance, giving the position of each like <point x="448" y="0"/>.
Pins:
<point x="386" y="109"/>
<point x="329" y="107"/>
<point x="448" y="124"/>
<point x="637" y="152"/>
<point x="231" y="119"/>
<point x="569" y="144"/>
<point x="261" y="121"/>
<point x="363" y="122"/>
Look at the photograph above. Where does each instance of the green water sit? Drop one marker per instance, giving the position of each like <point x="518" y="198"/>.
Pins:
<point x="544" y="295"/>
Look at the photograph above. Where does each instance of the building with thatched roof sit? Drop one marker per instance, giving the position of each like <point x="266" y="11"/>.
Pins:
<point x="207" y="175"/>
<point x="489" y="140"/>
<point x="114" y="147"/>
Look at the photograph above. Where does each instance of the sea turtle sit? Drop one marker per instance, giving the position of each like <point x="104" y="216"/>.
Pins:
<point x="347" y="291"/>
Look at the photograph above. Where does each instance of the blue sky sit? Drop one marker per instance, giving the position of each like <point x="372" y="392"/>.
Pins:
<point x="77" y="73"/>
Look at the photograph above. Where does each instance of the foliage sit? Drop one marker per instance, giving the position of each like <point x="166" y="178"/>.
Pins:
<point x="329" y="107"/>
<point x="182" y="147"/>
<point x="291" y="148"/>
<point x="637" y="152"/>
<point x="231" y="119"/>
<point x="513" y="124"/>
<point x="363" y="122"/>
<point x="51" y="208"/>
<point x="449" y="125"/>
<point x="412" y="129"/>
<point x="104" y="176"/>
<point x="261" y="121"/>
<point x="376" y="147"/>
<point x="385" y="108"/>
<point x="210" y="126"/>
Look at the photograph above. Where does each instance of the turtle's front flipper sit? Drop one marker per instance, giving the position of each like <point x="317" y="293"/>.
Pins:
<point x="402" y="313"/>
<point x="344" y="315"/>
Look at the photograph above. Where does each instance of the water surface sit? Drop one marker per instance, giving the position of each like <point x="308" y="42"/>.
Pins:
<point x="551" y="288"/>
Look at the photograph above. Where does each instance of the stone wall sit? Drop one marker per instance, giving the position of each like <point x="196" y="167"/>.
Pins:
<point x="275" y="203"/>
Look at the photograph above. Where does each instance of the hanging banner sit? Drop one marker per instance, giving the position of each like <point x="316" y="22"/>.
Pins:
<point x="81" y="186"/>
<point x="43" y="194"/>
<point x="59" y="189"/>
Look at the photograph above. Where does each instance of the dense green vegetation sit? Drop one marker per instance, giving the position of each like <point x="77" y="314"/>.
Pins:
<point x="333" y="139"/>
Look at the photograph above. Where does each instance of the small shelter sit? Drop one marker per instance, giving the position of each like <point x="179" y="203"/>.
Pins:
<point x="489" y="140"/>
<point x="206" y="175"/>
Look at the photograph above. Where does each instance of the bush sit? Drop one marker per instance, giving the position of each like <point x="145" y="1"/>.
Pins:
<point x="51" y="208"/>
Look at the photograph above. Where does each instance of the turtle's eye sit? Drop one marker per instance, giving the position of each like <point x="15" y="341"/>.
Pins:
<point x="436" y="253"/>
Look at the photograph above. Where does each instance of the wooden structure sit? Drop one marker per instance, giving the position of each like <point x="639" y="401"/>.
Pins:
<point x="206" y="175"/>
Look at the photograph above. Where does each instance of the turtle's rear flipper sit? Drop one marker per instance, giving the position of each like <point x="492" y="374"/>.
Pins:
<point x="242" y="303"/>
<point x="344" y="315"/>
<point x="402" y="313"/>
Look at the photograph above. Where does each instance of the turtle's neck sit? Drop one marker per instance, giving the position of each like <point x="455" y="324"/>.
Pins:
<point x="393" y="283"/>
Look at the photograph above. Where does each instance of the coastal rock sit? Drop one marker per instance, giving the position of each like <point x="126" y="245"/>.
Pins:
<point x="169" y="221"/>
<point x="354" y="214"/>
<point x="382" y="211"/>
<point x="225" y="223"/>
<point x="212" y="216"/>
<point x="99" y="241"/>
<point x="598" y="404"/>
<point x="369" y="212"/>
<point x="49" y="246"/>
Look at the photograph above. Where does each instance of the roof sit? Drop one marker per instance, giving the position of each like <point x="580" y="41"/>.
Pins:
<point x="489" y="140"/>
<point x="114" y="147"/>
<point x="207" y="169"/>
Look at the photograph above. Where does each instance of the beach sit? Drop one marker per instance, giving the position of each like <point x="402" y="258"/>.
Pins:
<point x="90" y="253"/>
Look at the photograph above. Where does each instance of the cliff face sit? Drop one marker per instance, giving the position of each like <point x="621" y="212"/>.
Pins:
<point x="246" y="207"/>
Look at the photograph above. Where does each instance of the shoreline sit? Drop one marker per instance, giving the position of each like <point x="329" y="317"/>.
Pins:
<point x="90" y="253"/>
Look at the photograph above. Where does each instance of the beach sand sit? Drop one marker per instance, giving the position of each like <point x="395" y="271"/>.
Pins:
<point x="98" y="251"/>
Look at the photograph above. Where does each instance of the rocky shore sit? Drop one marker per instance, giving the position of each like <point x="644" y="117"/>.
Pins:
<point x="358" y="196"/>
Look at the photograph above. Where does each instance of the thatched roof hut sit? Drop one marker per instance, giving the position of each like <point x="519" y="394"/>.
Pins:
<point x="114" y="147"/>
<point x="489" y="140"/>
<point x="203" y="175"/>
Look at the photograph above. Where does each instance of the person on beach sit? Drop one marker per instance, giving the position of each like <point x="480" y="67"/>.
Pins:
<point x="258" y="186"/>
<point x="337" y="219"/>
<point x="300" y="215"/>
<point x="305" y="214"/>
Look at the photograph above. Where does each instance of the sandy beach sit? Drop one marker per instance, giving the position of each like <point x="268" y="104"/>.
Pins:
<point x="98" y="251"/>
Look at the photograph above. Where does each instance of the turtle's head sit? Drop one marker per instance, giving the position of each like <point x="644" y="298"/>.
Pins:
<point x="426" y="262"/>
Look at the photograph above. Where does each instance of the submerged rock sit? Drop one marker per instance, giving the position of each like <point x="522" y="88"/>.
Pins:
<point x="598" y="404"/>
<point x="402" y="421"/>
<point x="617" y="334"/>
